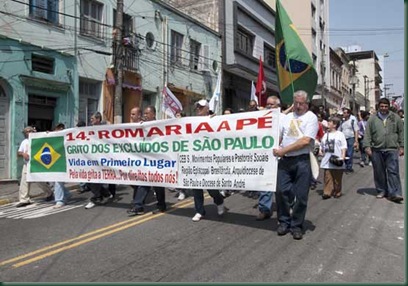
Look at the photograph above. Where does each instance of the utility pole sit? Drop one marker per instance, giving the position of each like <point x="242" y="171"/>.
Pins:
<point x="118" y="54"/>
<point x="386" y="87"/>
<point x="365" y="92"/>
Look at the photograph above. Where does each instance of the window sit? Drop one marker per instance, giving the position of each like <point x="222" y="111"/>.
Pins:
<point x="195" y="48"/>
<point x="88" y="99"/>
<point x="244" y="41"/>
<point x="269" y="56"/>
<point x="42" y="64"/>
<point x="91" y="18"/>
<point x="127" y="27"/>
<point x="45" y="10"/>
<point x="176" y="47"/>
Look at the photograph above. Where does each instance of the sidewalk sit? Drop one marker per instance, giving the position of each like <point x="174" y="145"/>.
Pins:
<point x="9" y="191"/>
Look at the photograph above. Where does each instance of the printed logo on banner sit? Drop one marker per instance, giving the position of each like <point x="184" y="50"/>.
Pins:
<point x="49" y="155"/>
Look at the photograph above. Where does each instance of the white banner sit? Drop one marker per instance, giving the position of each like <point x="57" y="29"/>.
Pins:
<point x="221" y="152"/>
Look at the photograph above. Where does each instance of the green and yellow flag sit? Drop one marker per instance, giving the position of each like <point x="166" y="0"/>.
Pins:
<point x="293" y="62"/>
<point x="48" y="155"/>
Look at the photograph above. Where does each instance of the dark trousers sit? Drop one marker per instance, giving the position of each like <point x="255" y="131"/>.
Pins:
<point x="386" y="172"/>
<point x="98" y="191"/>
<point x="199" y="199"/>
<point x="293" y="189"/>
<point x="143" y="191"/>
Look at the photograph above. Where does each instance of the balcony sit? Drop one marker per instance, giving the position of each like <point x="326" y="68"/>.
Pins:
<point x="130" y="57"/>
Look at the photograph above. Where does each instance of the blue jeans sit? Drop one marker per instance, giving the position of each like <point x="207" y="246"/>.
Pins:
<point x="350" y="153"/>
<point x="364" y="156"/>
<point x="199" y="199"/>
<point x="292" y="191"/>
<point x="265" y="202"/>
<point x="61" y="194"/>
<point x="386" y="172"/>
<point x="143" y="191"/>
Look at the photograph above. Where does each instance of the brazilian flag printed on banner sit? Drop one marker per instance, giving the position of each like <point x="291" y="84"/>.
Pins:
<point x="293" y="62"/>
<point x="48" y="155"/>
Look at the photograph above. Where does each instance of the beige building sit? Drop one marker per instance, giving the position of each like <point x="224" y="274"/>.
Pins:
<point x="311" y="18"/>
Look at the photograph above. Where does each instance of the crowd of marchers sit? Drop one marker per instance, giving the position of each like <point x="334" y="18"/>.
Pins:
<point x="378" y="137"/>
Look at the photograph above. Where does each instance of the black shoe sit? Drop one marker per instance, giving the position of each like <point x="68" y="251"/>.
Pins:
<point x="157" y="211"/>
<point x="297" y="234"/>
<point x="325" y="197"/>
<point x="282" y="230"/>
<point x="134" y="211"/>
<point x="49" y="198"/>
<point x="396" y="199"/>
<point x="22" y="204"/>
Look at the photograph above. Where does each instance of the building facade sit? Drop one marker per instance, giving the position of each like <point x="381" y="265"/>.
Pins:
<point x="247" y="31"/>
<point x="59" y="63"/>
<point x="368" y="76"/>
<point x="311" y="18"/>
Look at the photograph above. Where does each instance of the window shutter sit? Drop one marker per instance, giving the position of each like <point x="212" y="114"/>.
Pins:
<point x="53" y="9"/>
<point x="206" y="57"/>
<point x="40" y="9"/>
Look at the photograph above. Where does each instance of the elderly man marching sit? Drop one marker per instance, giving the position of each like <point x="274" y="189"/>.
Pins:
<point x="299" y="128"/>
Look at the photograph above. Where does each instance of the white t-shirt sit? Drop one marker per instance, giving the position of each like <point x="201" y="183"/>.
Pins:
<point x="349" y="126"/>
<point x="332" y="144"/>
<point x="24" y="147"/>
<point x="308" y="125"/>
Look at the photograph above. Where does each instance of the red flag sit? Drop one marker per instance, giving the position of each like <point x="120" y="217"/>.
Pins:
<point x="261" y="85"/>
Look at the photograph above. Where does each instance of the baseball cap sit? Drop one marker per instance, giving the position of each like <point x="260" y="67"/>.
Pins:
<point x="202" y="102"/>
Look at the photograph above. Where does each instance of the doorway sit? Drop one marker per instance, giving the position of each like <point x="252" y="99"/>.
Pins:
<point x="41" y="112"/>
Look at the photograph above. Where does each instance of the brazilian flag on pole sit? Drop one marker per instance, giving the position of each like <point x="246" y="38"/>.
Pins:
<point x="293" y="61"/>
<point x="48" y="155"/>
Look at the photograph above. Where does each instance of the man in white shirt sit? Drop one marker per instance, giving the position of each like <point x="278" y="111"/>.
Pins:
<point x="299" y="129"/>
<point x="349" y="127"/>
<point x="25" y="187"/>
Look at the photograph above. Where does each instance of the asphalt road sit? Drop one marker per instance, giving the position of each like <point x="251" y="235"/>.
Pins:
<point x="356" y="238"/>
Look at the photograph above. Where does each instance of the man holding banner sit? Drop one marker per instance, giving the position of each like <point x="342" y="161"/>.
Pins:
<point x="203" y="109"/>
<point x="149" y="114"/>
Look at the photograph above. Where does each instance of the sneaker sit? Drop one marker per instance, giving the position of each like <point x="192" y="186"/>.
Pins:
<point x="90" y="205"/>
<point x="134" y="211"/>
<point x="220" y="209"/>
<point x="362" y="164"/>
<point x="197" y="217"/>
<point x="380" y="195"/>
<point x="370" y="164"/>
<point x="58" y="205"/>
<point x="181" y="196"/>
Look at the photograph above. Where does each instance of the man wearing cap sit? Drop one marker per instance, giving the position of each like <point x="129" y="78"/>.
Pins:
<point x="203" y="109"/>
<point x="25" y="187"/>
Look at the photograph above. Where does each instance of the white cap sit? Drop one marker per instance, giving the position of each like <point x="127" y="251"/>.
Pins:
<point x="202" y="102"/>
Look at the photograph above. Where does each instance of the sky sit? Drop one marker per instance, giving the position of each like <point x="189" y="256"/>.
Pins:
<point x="374" y="25"/>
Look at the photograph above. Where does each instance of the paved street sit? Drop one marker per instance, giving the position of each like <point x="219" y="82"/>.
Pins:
<point x="356" y="238"/>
